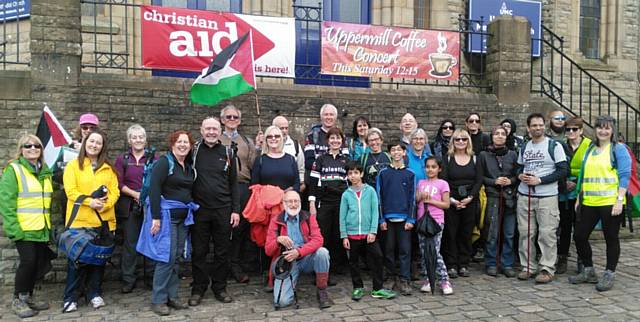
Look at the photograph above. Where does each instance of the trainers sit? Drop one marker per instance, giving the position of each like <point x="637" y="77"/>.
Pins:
<point x="323" y="299"/>
<point x="452" y="273"/>
<point x="587" y="275"/>
<point x="21" y="308"/>
<point x="463" y="272"/>
<point x="492" y="271"/>
<point x="426" y="287"/>
<point x="97" y="302"/>
<point x="446" y="287"/>
<point x="404" y="287"/>
<point x="69" y="307"/>
<point x="524" y="275"/>
<point x="606" y="281"/>
<point x="544" y="277"/>
<point x="383" y="293"/>
<point x="357" y="294"/>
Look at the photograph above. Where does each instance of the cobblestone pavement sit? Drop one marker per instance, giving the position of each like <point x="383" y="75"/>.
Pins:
<point x="478" y="298"/>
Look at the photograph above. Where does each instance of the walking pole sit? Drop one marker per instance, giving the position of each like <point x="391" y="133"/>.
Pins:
<point x="529" y="232"/>
<point x="499" y="237"/>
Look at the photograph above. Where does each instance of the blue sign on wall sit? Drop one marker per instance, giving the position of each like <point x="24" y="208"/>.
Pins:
<point x="14" y="9"/>
<point x="490" y="9"/>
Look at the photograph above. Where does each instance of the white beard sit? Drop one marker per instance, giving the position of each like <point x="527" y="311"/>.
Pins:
<point x="292" y="212"/>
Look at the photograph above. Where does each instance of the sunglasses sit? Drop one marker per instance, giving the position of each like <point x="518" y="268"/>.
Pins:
<point x="232" y="117"/>
<point x="32" y="146"/>
<point x="461" y="139"/>
<point x="447" y="127"/>
<point x="271" y="137"/>
<point x="473" y="121"/>
<point x="87" y="127"/>
<point x="559" y="118"/>
<point x="573" y="129"/>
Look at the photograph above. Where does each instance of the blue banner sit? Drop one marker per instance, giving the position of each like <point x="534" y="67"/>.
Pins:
<point x="482" y="12"/>
<point x="14" y="9"/>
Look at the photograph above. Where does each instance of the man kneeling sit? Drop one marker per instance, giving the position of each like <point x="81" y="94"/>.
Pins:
<point x="295" y="235"/>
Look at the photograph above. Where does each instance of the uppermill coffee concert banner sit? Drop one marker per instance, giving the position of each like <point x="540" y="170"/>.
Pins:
<point x="188" y="40"/>
<point x="379" y="51"/>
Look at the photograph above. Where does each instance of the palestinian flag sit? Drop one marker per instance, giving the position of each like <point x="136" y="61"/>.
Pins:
<point x="230" y="74"/>
<point x="53" y="137"/>
<point x="634" y="184"/>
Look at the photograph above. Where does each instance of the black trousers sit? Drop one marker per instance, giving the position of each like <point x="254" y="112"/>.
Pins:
<point x="240" y="238"/>
<point x="567" y="222"/>
<point x="456" y="248"/>
<point x="32" y="255"/>
<point x="374" y="260"/>
<point x="210" y="224"/>
<point x="586" y="222"/>
<point x="329" y="222"/>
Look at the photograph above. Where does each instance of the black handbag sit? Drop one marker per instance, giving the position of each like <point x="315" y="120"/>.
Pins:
<point x="427" y="226"/>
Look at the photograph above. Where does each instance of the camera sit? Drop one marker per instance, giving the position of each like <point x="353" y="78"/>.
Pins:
<point x="100" y="192"/>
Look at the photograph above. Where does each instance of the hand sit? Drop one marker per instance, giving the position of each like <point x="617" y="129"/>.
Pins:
<point x="371" y="238"/>
<point x="312" y="208"/>
<point x="345" y="243"/>
<point x="383" y="226"/>
<point x="571" y="185"/>
<point x="617" y="209"/>
<point x="155" y="226"/>
<point x="291" y="255"/>
<point x="259" y="139"/>
<point x="464" y="202"/>
<point x="302" y="187"/>
<point x="427" y="197"/>
<point x="285" y="241"/>
<point x="503" y="181"/>
<point x="96" y="204"/>
<point x="408" y="226"/>
<point x="235" y="219"/>
<point x="136" y="196"/>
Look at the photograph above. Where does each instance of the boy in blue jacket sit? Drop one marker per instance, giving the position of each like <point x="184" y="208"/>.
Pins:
<point x="358" y="229"/>
<point x="396" y="193"/>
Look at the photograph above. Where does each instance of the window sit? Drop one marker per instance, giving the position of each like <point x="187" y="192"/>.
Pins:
<point x="590" y="28"/>
<point x="421" y="14"/>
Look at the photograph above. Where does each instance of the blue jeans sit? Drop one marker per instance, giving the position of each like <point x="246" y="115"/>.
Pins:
<point x="83" y="276"/>
<point x="165" y="276"/>
<point x="397" y="236"/>
<point x="317" y="262"/>
<point x="508" y="230"/>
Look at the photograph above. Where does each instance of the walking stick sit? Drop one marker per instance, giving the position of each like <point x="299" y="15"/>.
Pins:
<point x="499" y="237"/>
<point x="529" y="232"/>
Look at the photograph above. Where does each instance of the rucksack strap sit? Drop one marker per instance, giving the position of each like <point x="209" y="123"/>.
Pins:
<point x="74" y="211"/>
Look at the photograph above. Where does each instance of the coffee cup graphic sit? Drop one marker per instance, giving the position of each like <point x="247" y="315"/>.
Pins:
<point x="441" y="64"/>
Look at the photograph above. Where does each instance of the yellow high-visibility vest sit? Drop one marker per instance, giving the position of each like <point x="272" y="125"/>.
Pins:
<point x="600" y="181"/>
<point x="34" y="200"/>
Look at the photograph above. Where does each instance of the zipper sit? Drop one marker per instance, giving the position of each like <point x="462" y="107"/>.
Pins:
<point x="359" y="213"/>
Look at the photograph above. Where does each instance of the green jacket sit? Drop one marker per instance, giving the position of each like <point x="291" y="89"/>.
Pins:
<point x="9" y="199"/>
<point x="359" y="217"/>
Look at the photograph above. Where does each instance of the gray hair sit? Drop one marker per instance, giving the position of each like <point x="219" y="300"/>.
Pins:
<point x="417" y="132"/>
<point x="326" y="106"/>
<point x="375" y="130"/>
<point x="135" y="128"/>
<point x="230" y="107"/>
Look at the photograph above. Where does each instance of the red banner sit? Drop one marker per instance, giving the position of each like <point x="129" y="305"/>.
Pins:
<point x="377" y="51"/>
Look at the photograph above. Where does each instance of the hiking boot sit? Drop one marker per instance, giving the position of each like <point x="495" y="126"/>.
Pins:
<point x="195" y="299"/>
<point x="509" y="272"/>
<point x="446" y="287"/>
<point x="37" y="305"/>
<point x="21" y="308"/>
<point x="588" y="275"/>
<point x="492" y="271"/>
<point x="357" y="294"/>
<point x="177" y="305"/>
<point x="463" y="272"/>
<point x="404" y="287"/>
<point x="160" y="309"/>
<point x="606" y="281"/>
<point x="478" y="257"/>
<point x="544" y="277"/>
<point x="426" y="287"/>
<point x="452" y="273"/>
<point x="561" y="267"/>
<point x="323" y="299"/>
<point x="524" y="275"/>
<point x="383" y="293"/>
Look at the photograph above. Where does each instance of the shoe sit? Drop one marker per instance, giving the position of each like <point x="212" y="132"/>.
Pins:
<point x="383" y="293"/>
<point x="524" y="275"/>
<point x="492" y="271"/>
<point x="267" y="289"/>
<point x="446" y="287"/>
<point x="463" y="272"/>
<point x="478" y="257"/>
<point x="426" y="287"/>
<point x="509" y="272"/>
<point x="97" y="302"/>
<point x="160" y="309"/>
<point x="195" y="299"/>
<point x="404" y="287"/>
<point x="561" y="266"/>
<point x="323" y="299"/>
<point x="223" y="297"/>
<point x="69" y="307"/>
<point x="21" y="308"/>
<point x="357" y="294"/>
<point x="588" y="275"/>
<point x="331" y="282"/>
<point x="544" y="277"/>
<point x="37" y="305"/>
<point x="452" y="273"/>
<point x="177" y="305"/>
<point x="127" y="288"/>
<point x="606" y="281"/>
<point x="239" y="275"/>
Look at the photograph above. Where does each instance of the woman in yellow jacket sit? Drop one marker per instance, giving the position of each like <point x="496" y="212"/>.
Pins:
<point x="25" y="200"/>
<point x="83" y="176"/>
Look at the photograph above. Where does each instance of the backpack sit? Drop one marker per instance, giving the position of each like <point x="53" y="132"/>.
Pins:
<point x="148" y="169"/>
<point x="551" y="148"/>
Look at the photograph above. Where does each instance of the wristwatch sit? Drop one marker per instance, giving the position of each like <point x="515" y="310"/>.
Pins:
<point x="620" y="198"/>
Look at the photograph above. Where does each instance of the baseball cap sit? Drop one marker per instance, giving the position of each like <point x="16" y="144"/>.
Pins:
<point x="282" y="268"/>
<point x="89" y="118"/>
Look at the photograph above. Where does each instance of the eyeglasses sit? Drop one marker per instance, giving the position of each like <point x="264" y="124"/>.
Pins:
<point x="271" y="137"/>
<point x="461" y="139"/>
<point x="573" y="129"/>
<point x="559" y="118"/>
<point x="232" y="117"/>
<point x="473" y="121"/>
<point x="292" y="201"/>
<point x="284" y="128"/>
<point x="87" y="127"/>
<point x="447" y="127"/>
<point x="32" y="146"/>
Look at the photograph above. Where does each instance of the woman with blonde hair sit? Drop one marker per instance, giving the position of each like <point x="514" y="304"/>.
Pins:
<point x="464" y="178"/>
<point x="275" y="167"/>
<point x="25" y="200"/>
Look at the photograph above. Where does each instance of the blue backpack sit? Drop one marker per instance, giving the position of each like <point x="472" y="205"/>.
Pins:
<point x="148" y="169"/>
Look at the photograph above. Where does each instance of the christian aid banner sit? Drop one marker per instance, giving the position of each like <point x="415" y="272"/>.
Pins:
<point x="183" y="39"/>
<point x="378" y="51"/>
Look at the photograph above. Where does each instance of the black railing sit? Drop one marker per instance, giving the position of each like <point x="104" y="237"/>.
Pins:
<point x="14" y="44"/>
<point x="558" y="77"/>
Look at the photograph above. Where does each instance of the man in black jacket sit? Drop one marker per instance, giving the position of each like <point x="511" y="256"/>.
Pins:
<point x="216" y="191"/>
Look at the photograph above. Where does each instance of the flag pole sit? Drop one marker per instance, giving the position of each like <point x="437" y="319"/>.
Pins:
<point x="255" y="92"/>
<point x="258" y="110"/>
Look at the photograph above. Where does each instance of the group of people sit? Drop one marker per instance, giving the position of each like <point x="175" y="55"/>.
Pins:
<point x="325" y="205"/>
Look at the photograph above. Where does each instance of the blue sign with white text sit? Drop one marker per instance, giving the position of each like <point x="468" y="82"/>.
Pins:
<point x="490" y="9"/>
<point x="14" y="9"/>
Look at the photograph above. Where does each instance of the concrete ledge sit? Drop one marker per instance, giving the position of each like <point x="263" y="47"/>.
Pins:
<point x="15" y="85"/>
